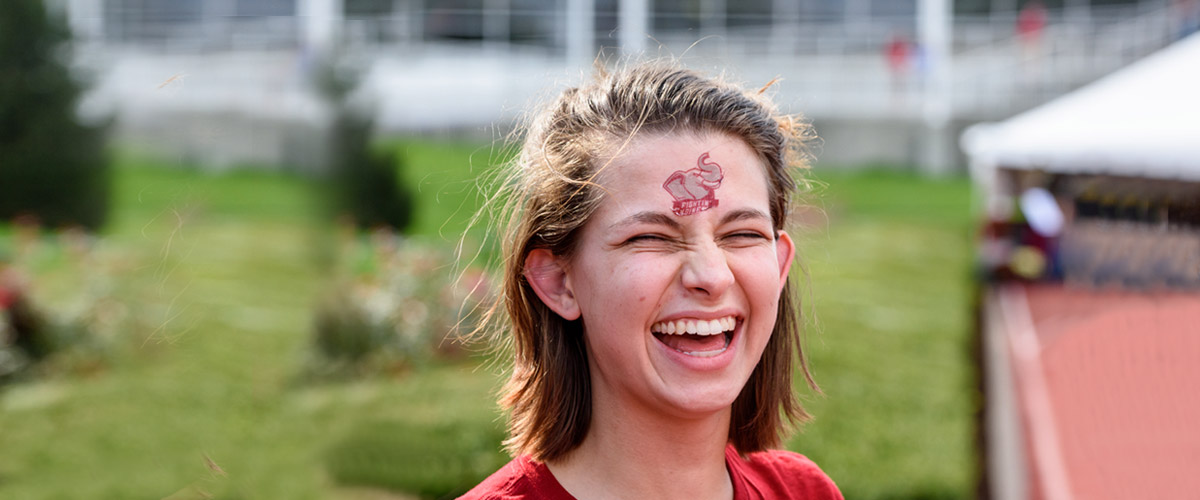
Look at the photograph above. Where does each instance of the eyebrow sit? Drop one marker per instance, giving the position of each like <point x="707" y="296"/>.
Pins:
<point x="745" y="214"/>
<point x="648" y="217"/>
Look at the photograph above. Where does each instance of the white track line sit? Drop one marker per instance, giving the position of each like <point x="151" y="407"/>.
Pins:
<point x="1034" y="393"/>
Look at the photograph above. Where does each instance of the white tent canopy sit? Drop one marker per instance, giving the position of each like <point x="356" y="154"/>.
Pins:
<point x="1143" y="121"/>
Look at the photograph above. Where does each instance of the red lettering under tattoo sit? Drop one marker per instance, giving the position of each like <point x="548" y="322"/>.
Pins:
<point x="694" y="190"/>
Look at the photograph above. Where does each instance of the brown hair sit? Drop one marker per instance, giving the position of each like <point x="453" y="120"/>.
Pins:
<point x="551" y="195"/>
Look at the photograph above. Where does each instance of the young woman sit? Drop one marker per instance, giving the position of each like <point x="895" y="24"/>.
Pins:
<point x="646" y="294"/>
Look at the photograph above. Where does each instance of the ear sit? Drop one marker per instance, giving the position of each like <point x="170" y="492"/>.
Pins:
<point x="785" y="251"/>
<point x="547" y="275"/>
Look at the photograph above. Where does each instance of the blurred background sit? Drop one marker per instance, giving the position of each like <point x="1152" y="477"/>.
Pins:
<point x="239" y="241"/>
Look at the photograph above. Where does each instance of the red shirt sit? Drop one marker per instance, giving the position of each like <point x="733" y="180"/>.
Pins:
<point x="762" y="475"/>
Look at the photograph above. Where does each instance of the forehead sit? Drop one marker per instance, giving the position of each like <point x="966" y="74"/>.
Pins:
<point x="634" y="178"/>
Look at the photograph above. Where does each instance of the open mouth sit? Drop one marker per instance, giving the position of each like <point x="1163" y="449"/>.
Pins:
<point x="696" y="337"/>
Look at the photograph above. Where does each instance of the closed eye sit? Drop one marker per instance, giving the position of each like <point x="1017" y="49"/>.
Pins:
<point x="745" y="238"/>
<point x="646" y="238"/>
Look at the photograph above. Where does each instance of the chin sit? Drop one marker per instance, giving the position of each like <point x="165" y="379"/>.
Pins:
<point x="704" y="403"/>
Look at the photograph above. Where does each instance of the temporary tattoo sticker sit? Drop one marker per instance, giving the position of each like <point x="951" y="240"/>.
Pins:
<point x="695" y="190"/>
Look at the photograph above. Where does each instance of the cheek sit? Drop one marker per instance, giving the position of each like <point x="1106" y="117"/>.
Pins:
<point x="642" y="272"/>
<point x="759" y="276"/>
<point x="625" y="285"/>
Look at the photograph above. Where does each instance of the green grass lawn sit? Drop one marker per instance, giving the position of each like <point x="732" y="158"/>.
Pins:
<point x="450" y="179"/>
<point x="220" y="273"/>
<point x="890" y="286"/>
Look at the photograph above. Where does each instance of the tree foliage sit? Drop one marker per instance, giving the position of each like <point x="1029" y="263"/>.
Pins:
<point x="52" y="166"/>
<point x="366" y="182"/>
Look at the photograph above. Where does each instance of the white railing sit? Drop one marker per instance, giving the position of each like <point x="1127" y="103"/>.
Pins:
<point x="1012" y="74"/>
<point x="833" y="67"/>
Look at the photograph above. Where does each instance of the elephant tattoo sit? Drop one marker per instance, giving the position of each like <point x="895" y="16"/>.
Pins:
<point x="694" y="190"/>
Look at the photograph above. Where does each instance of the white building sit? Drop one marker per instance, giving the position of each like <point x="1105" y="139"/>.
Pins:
<point x="225" y="82"/>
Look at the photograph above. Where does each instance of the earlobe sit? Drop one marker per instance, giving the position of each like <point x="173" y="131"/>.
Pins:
<point x="785" y="251"/>
<point x="547" y="275"/>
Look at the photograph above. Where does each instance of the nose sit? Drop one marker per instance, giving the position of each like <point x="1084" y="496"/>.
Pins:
<point x="706" y="270"/>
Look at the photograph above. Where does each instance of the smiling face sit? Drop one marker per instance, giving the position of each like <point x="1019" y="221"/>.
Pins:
<point x="677" y="309"/>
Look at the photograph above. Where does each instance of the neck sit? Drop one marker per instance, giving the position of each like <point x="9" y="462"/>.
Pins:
<point x="632" y="452"/>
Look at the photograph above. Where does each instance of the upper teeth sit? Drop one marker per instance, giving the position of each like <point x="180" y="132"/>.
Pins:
<point x="695" y="326"/>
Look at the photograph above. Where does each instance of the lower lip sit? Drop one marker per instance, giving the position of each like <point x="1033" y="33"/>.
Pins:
<point x="709" y="363"/>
